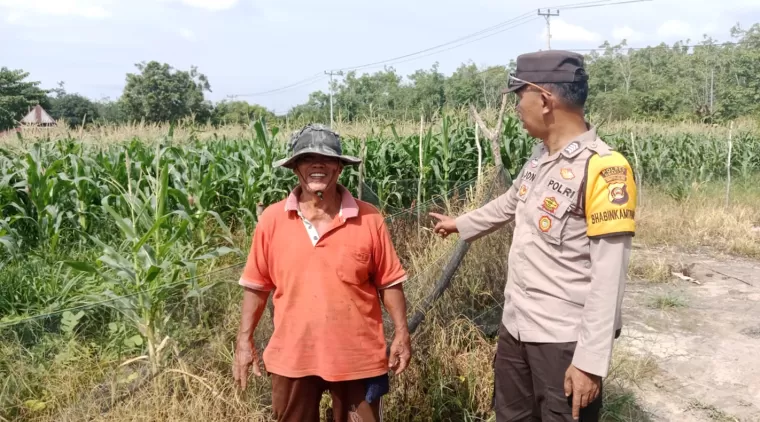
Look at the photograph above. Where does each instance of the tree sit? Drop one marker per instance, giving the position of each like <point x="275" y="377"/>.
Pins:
<point x="239" y="112"/>
<point x="161" y="94"/>
<point x="75" y="109"/>
<point x="17" y="96"/>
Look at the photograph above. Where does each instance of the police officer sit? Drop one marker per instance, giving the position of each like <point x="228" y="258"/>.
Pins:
<point x="573" y="206"/>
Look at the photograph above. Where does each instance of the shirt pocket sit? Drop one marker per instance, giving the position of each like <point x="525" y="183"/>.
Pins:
<point x="552" y="216"/>
<point x="353" y="264"/>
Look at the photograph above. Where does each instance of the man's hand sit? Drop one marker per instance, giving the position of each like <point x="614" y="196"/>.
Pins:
<point x="583" y="386"/>
<point x="445" y="225"/>
<point x="245" y="357"/>
<point x="401" y="353"/>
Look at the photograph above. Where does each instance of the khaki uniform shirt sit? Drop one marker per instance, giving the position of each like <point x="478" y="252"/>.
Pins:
<point x="574" y="220"/>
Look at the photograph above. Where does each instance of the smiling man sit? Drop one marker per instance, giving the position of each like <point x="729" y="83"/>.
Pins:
<point x="327" y="257"/>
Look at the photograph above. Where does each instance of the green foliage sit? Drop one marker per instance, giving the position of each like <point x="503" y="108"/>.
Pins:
<point x="17" y="96"/>
<point x="709" y="83"/>
<point x="75" y="109"/>
<point x="239" y="112"/>
<point x="161" y="94"/>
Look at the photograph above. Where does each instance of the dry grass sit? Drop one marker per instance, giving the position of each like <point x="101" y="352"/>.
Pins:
<point x="702" y="219"/>
<point x="651" y="269"/>
<point x="628" y="371"/>
<point x="189" y="129"/>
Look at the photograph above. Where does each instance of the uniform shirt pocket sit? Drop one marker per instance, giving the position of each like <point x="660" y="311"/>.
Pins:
<point x="353" y="264"/>
<point x="552" y="216"/>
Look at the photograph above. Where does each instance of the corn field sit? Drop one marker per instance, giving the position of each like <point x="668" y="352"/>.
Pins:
<point x="130" y="224"/>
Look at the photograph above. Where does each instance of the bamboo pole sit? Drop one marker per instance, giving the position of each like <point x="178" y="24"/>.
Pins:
<point x="728" y="164"/>
<point x="419" y="183"/>
<point x="639" y="182"/>
<point x="362" y="153"/>
<point x="480" y="153"/>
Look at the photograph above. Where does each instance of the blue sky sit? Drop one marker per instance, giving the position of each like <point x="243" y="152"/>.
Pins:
<point x="250" y="46"/>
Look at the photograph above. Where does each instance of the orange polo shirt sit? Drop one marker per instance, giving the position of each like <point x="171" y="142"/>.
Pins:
<point x="327" y="313"/>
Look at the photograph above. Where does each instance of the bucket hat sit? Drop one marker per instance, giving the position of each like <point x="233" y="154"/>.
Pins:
<point x="552" y="66"/>
<point x="315" y="139"/>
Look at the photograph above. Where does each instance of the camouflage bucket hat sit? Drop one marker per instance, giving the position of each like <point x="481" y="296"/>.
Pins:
<point x="315" y="139"/>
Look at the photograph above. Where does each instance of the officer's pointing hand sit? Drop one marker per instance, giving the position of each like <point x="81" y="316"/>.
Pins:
<point x="445" y="225"/>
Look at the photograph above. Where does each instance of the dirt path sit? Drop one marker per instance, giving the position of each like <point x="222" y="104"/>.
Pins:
<point x="704" y="339"/>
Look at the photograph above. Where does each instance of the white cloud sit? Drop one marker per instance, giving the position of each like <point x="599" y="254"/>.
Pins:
<point x="563" y="31"/>
<point x="14" y="17"/>
<point x="186" y="34"/>
<point x="620" y="33"/>
<point x="675" y="29"/>
<point x="92" y="9"/>
<point x="208" y="4"/>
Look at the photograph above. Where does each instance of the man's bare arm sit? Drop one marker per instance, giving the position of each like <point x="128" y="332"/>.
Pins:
<point x="401" y="350"/>
<point x="254" y="303"/>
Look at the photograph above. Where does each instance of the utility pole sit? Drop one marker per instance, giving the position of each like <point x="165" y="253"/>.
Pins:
<point x="331" y="73"/>
<point x="548" y="14"/>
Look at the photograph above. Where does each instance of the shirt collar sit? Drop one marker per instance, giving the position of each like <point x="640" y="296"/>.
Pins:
<point x="348" y="206"/>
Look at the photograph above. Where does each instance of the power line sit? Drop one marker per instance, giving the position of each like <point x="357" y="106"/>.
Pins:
<point x="491" y="28"/>
<point x="464" y="40"/>
<point x="605" y="4"/>
<point x="530" y="19"/>
<point x="303" y="82"/>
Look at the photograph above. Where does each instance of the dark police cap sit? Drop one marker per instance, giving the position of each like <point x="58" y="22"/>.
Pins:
<point x="552" y="66"/>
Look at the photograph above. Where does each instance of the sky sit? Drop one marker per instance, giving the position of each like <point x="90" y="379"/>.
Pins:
<point x="255" y="46"/>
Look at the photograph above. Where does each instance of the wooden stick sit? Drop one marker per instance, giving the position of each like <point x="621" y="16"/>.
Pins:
<point x="728" y="165"/>
<point x="639" y="183"/>
<point x="480" y="153"/>
<point x="419" y="183"/>
<point x="362" y="152"/>
<point x="730" y="276"/>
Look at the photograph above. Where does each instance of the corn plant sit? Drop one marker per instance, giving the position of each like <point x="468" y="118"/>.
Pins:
<point x="141" y="272"/>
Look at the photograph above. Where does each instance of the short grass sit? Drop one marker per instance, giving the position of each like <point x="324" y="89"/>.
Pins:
<point x="667" y="301"/>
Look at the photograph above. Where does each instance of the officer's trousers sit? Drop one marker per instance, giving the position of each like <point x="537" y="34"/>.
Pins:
<point x="529" y="382"/>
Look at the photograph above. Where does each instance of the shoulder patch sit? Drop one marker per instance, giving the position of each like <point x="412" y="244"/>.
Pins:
<point x="572" y="147"/>
<point x="610" y="196"/>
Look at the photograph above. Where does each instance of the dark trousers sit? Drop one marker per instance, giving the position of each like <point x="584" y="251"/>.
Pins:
<point x="529" y="382"/>
<point x="298" y="399"/>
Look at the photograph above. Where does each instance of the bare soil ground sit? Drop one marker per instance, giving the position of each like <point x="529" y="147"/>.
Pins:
<point x="701" y="338"/>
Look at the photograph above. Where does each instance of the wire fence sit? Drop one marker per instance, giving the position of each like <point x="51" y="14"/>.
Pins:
<point x="198" y="305"/>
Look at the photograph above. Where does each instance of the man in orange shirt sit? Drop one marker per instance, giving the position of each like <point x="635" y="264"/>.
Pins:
<point x="327" y="257"/>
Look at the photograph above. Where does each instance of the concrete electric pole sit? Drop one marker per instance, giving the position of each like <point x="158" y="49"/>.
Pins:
<point x="331" y="73"/>
<point x="548" y="14"/>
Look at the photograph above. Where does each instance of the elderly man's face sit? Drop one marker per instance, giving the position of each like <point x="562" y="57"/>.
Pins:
<point x="318" y="173"/>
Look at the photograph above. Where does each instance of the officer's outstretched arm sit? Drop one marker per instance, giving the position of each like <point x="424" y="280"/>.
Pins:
<point x="488" y="218"/>
<point x="610" y="216"/>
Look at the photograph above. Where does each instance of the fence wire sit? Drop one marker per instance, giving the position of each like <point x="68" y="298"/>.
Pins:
<point x="194" y="321"/>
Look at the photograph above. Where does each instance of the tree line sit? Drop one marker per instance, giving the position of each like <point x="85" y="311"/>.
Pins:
<point x="707" y="82"/>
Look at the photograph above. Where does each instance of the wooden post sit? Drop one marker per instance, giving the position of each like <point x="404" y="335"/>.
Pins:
<point x="362" y="153"/>
<point x="639" y="182"/>
<point x="728" y="164"/>
<point x="480" y="154"/>
<point x="419" y="183"/>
